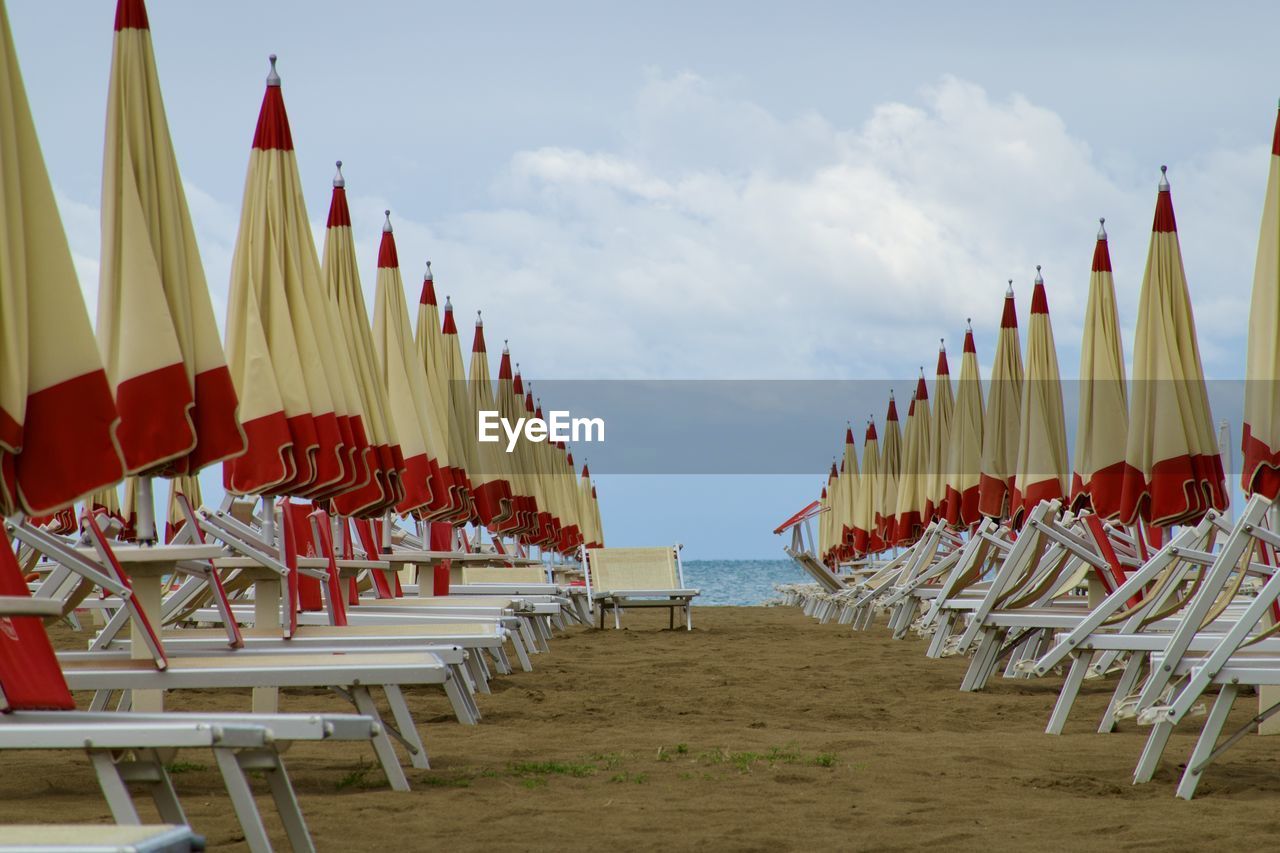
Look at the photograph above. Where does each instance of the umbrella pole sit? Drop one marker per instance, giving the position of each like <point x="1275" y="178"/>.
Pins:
<point x="268" y="520"/>
<point x="146" y="513"/>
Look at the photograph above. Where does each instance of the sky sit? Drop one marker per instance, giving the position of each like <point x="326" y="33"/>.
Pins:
<point x="715" y="190"/>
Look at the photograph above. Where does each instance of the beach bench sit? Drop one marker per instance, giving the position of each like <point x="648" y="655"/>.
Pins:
<point x="639" y="577"/>
<point x="87" y="838"/>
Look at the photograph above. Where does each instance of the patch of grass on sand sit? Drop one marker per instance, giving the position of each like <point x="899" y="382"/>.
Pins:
<point x="447" y="781"/>
<point x="637" y="778"/>
<point x="186" y="767"/>
<point x="552" y="768"/>
<point x="611" y="760"/>
<point x="825" y="759"/>
<point x="745" y="760"/>
<point x="358" y="778"/>
<point x="534" y="783"/>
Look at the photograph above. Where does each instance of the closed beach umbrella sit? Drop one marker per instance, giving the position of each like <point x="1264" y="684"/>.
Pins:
<point x="1173" y="472"/>
<point x="524" y="512"/>
<point x="887" y="486"/>
<point x="939" y="440"/>
<point x="57" y="413"/>
<point x="599" y="520"/>
<point x="588" y="511"/>
<point x="964" y="453"/>
<point x="431" y="352"/>
<point x="1000" y="422"/>
<point x="491" y="490"/>
<point x="156" y="329"/>
<point x="865" y="505"/>
<point x="341" y="274"/>
<point x="187" y="486"/>
<point x="462" y="420"/>
<point x="405" y="381"/>
<point x="849" y="477"/>
<point x="1261" y="439"/>
<point x="824" y="525"/>
<point x="1042" y="468"/>
<point x="1104" y="410"/>
<point x="914" y="471"/>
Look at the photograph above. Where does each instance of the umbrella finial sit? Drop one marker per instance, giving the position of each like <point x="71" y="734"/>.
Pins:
<point x="338" y="180"/>
<point x="386" y="226"/>
<point x="429" y="276"/>
<point x="479" y="319"/>
<point x="448" y="304"/>
<point x="942" y="344"/>
<point x="273" y="78"/>
<point x="1009" y="290"/>
<point x="1164" y="179"/>
<point x="968" y="322"/>
<point x="1039" y="278"/>
<point x="505" y="347"/>
<point x="1102" y="227"/>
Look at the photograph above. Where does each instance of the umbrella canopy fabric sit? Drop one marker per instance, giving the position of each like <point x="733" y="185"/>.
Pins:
<point x="864" y="508"/>
<point x="1000" y="422"/>
<point x="1173" y="472"/>
<point x="57" y="414"/>
<point x="292" y="438"/>
<point x="156" y="329"/>
<point x="887" y="483"/>
<point x="939" y="440"/>
<point x="964" y="453"/>
<point x="913" y="473"/>
<point x="405" y="381"/>
<point x="1104" y="409"/>
<point x="1042" y="467"/>
<point x="435" y="360"/>
<point x="524" y="510"/>
<point x="462" y="420"/>
<point x="385" y="487"/>
<point x="1261" y="437"/>
<point x="187" y="486"/>
<point x="490" y="484"/>
<point x="849" y="477"/>
<point x="589" y="511"/>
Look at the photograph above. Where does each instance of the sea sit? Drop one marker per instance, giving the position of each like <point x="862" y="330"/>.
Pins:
<point x="739" y="583"/>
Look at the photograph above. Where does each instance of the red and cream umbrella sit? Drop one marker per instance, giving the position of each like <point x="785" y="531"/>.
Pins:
<point x="964" y="452"/>
<point x="864" y="506"/>
<point x="384" y="489"/>
<point x="1173" y="472"/>
<point x="156" y="328"/>
<point x="913" y="472"/>
<point x="1000" y="423"/>
<point x="402" y="374"/>
<point x="588" y="511"/>
<point x="939" y="440"/>
<point x="462" y="420"/>
<point x="491" y="488"/>
<point x="431" y="352"/>
<point x="1042" y="468"/>
<point x="1261" y="440"/>
<point x="187" y="486"/>
<point x="524" y="509"/>
<point x="57" y="414"/>
<point x="571" y="533"/>
<point x="1104" y="409"/>
<point x="286" y="405"/>
<point x="887" y="482"/>
<point x="598" y="519"/>
<point x="849" y="478"/>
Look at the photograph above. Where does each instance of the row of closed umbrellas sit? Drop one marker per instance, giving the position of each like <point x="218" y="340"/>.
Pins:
<point x="1145" y="451"/>
<point x="307" y="399"/>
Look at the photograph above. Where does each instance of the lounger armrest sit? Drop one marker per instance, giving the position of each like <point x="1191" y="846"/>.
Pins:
<point x="653" y="593"/>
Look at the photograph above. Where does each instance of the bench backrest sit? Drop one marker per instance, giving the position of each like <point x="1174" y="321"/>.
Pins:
<point x="621" y="569"/>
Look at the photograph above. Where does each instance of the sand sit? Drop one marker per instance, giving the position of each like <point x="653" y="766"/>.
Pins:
<point x="761" y="730"/>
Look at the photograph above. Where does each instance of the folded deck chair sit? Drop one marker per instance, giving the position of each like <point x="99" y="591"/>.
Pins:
<point x="639" y="577"/>
<point x="38" y="712"/>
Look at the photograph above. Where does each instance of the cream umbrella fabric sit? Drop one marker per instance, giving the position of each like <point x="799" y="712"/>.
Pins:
<point x="913" y="473"/>
<point x="286" y="404"/>
<point x="340" y="269"/>
<point x="964" y="453"/>
<point x="849" y="477"/>
<point x="491" y="488"/>
<point x="598" y="518"/>
<point x="586" y="513"/>
<point x="1042" y="468"/>
<point x="1000" y="422"/>
<point x="1173" y="472"/>
<point x="1261" y="438"/>
<point x="939" y="439"/>
<point x="824" y="526"/>
<point x="1104" y="408"/>
<point x="57" y="414"/>
<point x="524" y="512"/>
<point x="431" y="352"/>
<point x="462" y="420"/>
<point x="887" y="484"/>
<point x="865" y="512"/>
<point x="571" y="532"/>
<point x="156" y="328"/>
<point x="189" y="487"/>
<point x="405" y="381"/>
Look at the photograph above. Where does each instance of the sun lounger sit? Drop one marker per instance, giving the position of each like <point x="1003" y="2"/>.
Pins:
<point x="639" y="577"/>
<point x="87" y="838"/>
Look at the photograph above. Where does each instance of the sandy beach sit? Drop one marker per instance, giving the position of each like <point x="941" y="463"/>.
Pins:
<point x="761" y="730"/>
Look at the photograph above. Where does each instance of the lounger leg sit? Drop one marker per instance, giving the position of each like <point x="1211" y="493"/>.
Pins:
<point x="282" y="793"/>
<point x="688" y="616"/>
<point x="114" y="789"/>
<point x="1067" y="695"/>
<point x="940" y="634"/>
<point x="988" y="647"/>
<point x="671" y="618"/>
<point x="148" y="768"/>
<point x="381" y="741"/>
<point x="463" y="708"/>
<point x="1132" y="669"/>
<point x="501" y="661"/>
<point x="1199" y="759"/>
<point x="404" y="721"/>
<point x="233" y="776"/>
<point x="521" y="654"/>
<point x="617" y="617"/>
<point x="475" y="666"/>
<point x="1152" y="752"/>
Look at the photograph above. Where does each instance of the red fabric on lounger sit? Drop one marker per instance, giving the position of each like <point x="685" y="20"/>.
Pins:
<point x="30" y="677"/>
